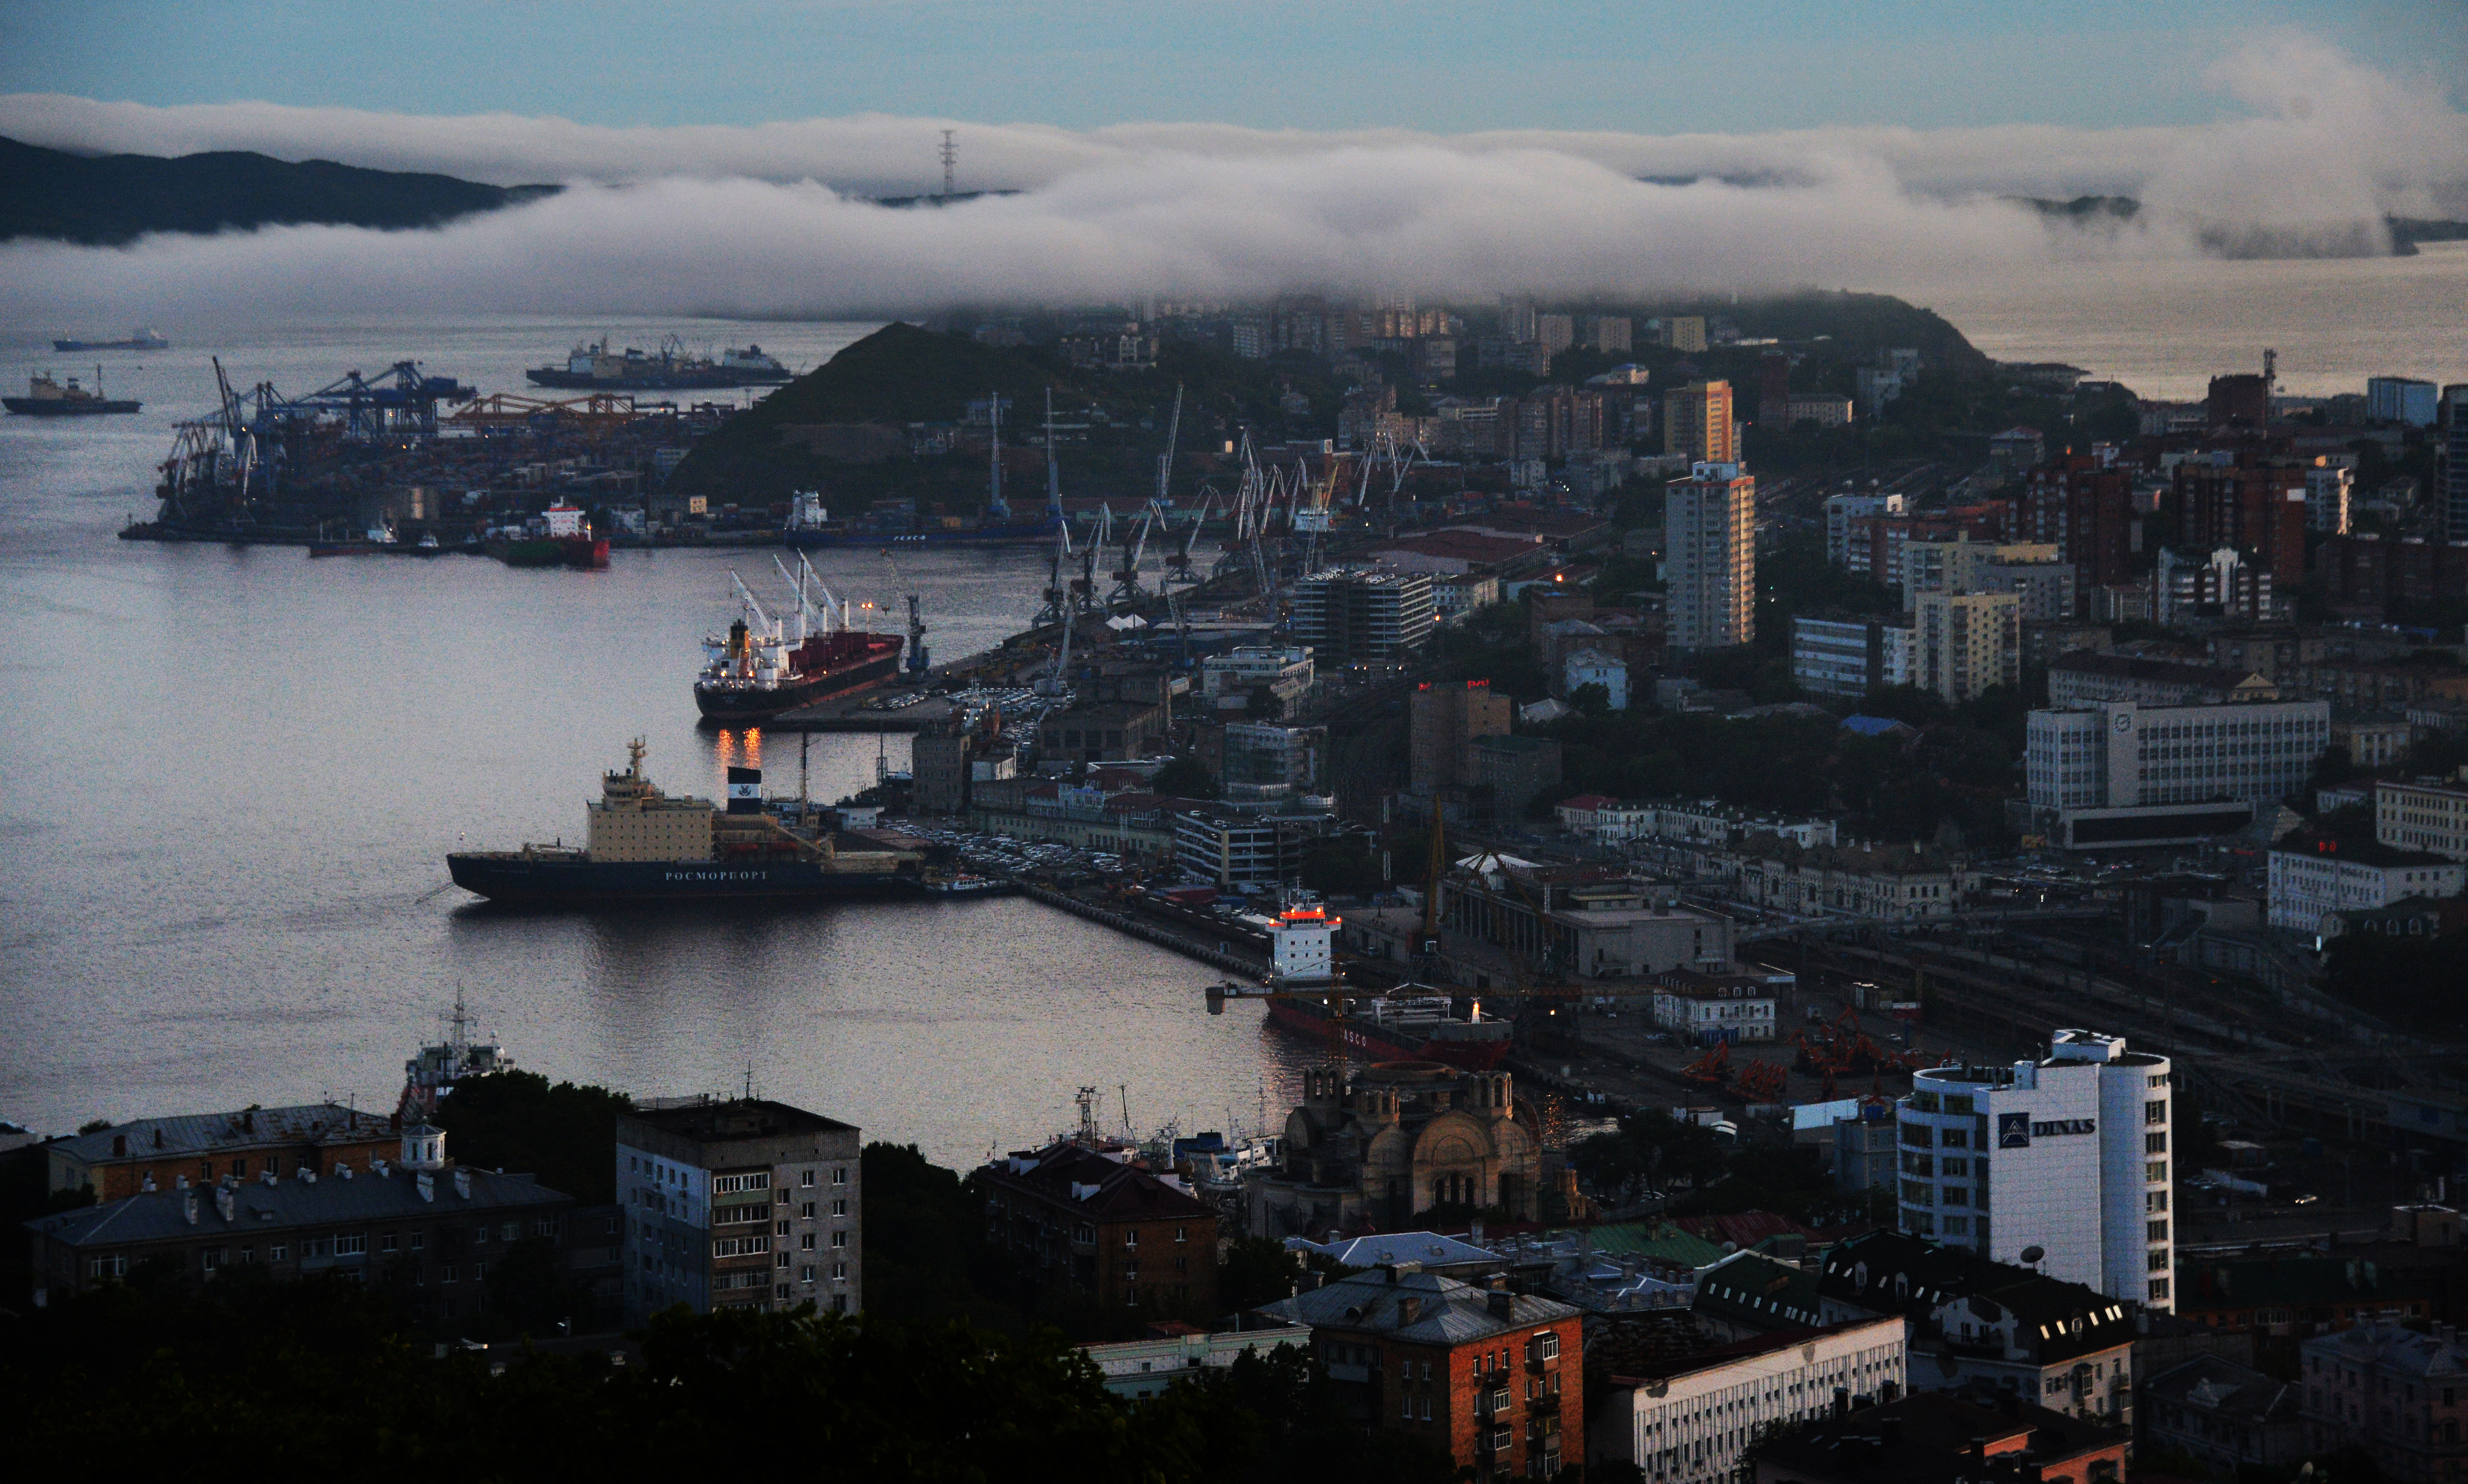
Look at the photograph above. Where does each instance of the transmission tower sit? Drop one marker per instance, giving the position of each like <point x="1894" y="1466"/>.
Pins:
<point x="951" y="162"/>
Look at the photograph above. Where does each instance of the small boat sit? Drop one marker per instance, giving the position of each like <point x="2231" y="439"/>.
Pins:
<point x="46" y="397"/>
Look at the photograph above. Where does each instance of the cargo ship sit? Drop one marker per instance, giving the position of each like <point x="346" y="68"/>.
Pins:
<point x="46" y="397"/>
<point x="138" y="340"/>
<point x="757" y="670"/>
<point x="558" y="537"/>
<point x="595" y="368"/>
<point x="642" y="845"/>
<point x="1401" y="1028"/>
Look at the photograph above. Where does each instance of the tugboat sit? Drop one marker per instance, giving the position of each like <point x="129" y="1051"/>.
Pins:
<point x="558" y="537"/>
<point x="46" y="397"/>
<point x="643" y="845"/>
<point x="756" y="671"/>
<point x="430" y="1077"/>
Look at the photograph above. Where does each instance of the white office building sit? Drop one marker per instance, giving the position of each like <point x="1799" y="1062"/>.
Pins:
<point x="2313" y="877"/>
<point x="1686" y="1420"/>
<point x="2060" y="1165"/>
<point x="2425" y="813"/>
<point x="2116" y="773"/>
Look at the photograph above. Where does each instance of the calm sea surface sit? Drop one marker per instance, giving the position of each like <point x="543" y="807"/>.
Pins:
<point x="228" y="780"/>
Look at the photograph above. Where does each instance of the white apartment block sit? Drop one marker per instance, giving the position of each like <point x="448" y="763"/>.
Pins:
<point x="1709" y="543"/>
<point x="2312" y="878"/>
<point x="2120" y="773"/>
<point x="2065" y="1158"/>
<point x="1846" y="543"/>
<point x="1688" y="1420"/>
<point x="1703" y="1010"/>
<point x="1963" y="643"/>
<point x="2429" y="814"/>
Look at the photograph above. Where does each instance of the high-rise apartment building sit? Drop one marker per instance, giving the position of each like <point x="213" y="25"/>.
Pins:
<point x="1709" y="545"/>
<point x="2454" y="462"/>
<point x="1963" y="643"/>
<point x="1610" y="332"/>
<point x="1845" y="538"/>
<point x="1362" y="615"/>
<point x="2059" y="1164"/>
<point x="2085" y="505"/>
<point x="1697" y="421"/>
<point x="2402" y="399"/>
<point x="2253" y="503"/>
<point x="1444" y="720"/>
<point x="1685" y="332"/>
<point x="744" y="1203"/>
<point x="1555" y="332"/>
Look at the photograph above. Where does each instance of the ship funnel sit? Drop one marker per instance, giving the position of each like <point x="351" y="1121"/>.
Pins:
<point x="746" y="791"/>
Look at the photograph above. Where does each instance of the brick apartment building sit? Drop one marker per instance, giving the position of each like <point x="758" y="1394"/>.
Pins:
<point x="202" y="1148"/>
<point x="2247" y="501"/>
<point x="2086" y="507"/>
<point x="1073" y="1218"/>
<point x="1496" y="1378"/>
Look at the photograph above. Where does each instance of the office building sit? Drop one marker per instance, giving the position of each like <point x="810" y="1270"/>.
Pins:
<point x="1264" y="760"/>
<point x="1496" y="1379"/>
<point x="1844" y="546"/>
<point x="1839" y="656"/>
<point x="2425" y="813"/>
<point x="1696" y="423"/>
<point x="2065" y="1158"/>
<point x="1362" y="615"/>
<point x="1704" y="1009"/>
<point x="2391" y="1393"/>
<point x="1070" y="1219"/>
<point x="2081" y="678"/>
<point x="1236" y="850"/>
<point x="1963" y="643"/>
<point x="743" y="1203"/>
<point x="2402" y="399"/>
<point x="2315" y="877"/>
<point x="2111" y="773"/>
<point x="1444" y="718"/>
<point x="1688" y="1419"/>
<point x="1709" y="534"/>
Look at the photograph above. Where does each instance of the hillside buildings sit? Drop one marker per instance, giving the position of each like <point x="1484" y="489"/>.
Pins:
<point x="740" y="1205"/>
<point x="2120" y="773"/>
<point x="2065" y="1158"/>
<point x="1710" y="529"/>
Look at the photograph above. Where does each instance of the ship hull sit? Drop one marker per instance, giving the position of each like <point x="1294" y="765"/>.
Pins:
<point x="690" y="381"/>
<point x="1388" y="1043"/>
<point x="508" y="877"/>
<point x="582" y="553"/>
<point x="63" y="407"/>
<point x="751" y="705"/>
<point x="111" y="345"/>
<point x="1016" y="533"/>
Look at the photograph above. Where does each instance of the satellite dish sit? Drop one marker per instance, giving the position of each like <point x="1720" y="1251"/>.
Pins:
<point x="2034" y="1254"/>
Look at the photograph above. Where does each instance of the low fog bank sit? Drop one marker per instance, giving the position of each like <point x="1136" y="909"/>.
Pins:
<point x="776" y="219"/>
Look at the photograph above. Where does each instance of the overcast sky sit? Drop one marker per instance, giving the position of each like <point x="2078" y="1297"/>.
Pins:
<point x="1647" y="65"/>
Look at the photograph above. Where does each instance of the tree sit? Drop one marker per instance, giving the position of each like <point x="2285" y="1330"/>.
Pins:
<point x="1593" y="698"/>
<point x="1257" y="1271"/>
<point x="1185" y="777"/>
<point x="1341" y="865"/>
<point x="566" y="1134"/>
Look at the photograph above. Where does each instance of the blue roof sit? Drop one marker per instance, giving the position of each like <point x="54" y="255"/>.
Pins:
<point x="1871" y="726"/>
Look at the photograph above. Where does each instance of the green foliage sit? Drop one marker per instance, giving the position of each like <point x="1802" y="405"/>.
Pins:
<point x="1651" y="1150"/>
<point x="566" y="1134"/>
<point x="528" y="1294"/>
<point x="1593" y="698"/>
<point x="1257" y="1271"/>
<point x="1278" y="1417"/>
<point x="1185" y="777"/>
<point x="1343" y="865"/>
<point x="925" y="1252"/>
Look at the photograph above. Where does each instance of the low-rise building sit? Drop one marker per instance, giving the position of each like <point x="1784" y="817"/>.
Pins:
<point x="1594" y="667"/>
<point x="1932" y="1436"/>
<point x="1848" y="881"/>
<point x="2290" y="1296"/>
<point x="1690" y="1419"/>
<point x="420" y="1222"/>
<point x="1702" y="1009"/>
<point x="1748" y="1294"/>
<point x="2314" y="876"/>
<point x="743" y="1203"/>
<point x="2226" y="1415"/>
<point x="1496" y="1378"/>
<point x="1140" y="1369"/>
<point x="2373" y="740"/>
<point x="1070" y="1218"/>
<point x="2082" y="677"/>
<point x="202" y="1148"/>
<point x="2425" y="813"/>
<point x="1591" y="920"/>
<point x="2399" y="1396"/>
<point x="1517" y="769"/>
<point x="1229" y="681"/>
<point x="1238" y="851"/>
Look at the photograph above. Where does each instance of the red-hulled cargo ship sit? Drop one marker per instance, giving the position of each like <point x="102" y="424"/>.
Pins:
<point x="756" y="669"/>
<point x="1403" y="1029"/>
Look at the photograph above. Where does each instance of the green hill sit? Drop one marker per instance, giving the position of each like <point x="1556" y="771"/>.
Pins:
<point x="895" y="376"/>
<point x="108" y="199"/>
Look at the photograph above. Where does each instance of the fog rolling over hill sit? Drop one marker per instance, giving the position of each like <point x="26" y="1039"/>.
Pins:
<point x="109" y="199"/>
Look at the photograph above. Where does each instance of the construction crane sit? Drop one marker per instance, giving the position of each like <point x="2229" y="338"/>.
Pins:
<point x="1057" y="596"/>
<point x="998" y="511"/>
<point x="1053" y="471"/>
<point x="1178" y="560"/>
<point x="1127" y="587"/>
<point x="917" y="661"/>
<point x="1165" y="461"/>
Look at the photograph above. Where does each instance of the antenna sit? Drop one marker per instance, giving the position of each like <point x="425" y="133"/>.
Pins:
<point x="1123" y="1095"/>
<point x="1087" y="1099"/>
<point x="950" y="161"/>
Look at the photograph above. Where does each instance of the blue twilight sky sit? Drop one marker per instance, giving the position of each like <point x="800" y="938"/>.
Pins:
<point x="1646" y="66"/>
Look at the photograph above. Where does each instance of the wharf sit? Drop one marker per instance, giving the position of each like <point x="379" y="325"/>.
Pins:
<point x="911" y="709"/>
<point x="1157" y="934"/>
